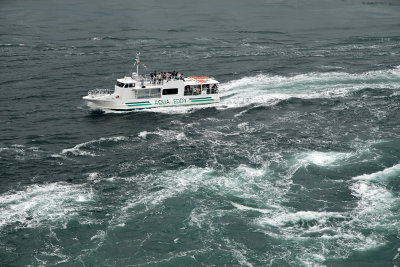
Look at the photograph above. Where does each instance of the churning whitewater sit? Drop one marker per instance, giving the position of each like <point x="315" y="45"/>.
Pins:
<point x="221" y="184"/>
<point x="297" y="165"/>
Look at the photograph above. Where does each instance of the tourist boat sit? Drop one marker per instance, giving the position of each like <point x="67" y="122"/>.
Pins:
<point x="167" y="89"/>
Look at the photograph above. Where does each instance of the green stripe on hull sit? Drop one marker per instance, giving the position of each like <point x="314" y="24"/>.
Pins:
<point x="137" y="108"/>
<point x="138" y="104"/>
<point x="134" y="105"/>
<point x="202" y="100"/>
<point x="143" y="102"/>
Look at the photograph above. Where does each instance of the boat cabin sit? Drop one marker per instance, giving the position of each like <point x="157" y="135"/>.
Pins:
<point x="168" y="86"/>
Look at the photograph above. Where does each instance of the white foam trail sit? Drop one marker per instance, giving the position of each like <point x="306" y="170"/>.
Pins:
<point x="21" y="152"/>
<point x="77" y="150"/>
<point x="316" y="82"/>
<point x="375" y="209"/>
<point x="242" y="207"/>
<point x="264" y="89"/>
<point x="323" y="158"/>
<point x="166" y="135"/>
<point x="143" y="134"/>
<point x="269" y="89"/>
<point x="388" y="173"/>
<point x="95" y="177"/>
<point x="47" y="204"/>
<point x="244" y="126"/>
<point x="375" y="201"/>
<point x="181" y="136"/>
<point x="99" y="235"/>
<point x="283" y="219"/>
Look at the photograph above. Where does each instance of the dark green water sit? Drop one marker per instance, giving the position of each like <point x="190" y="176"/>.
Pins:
<point x="299" y="166"/>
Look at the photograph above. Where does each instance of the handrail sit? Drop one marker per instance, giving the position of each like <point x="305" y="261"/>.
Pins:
<point x="100" y="92"/>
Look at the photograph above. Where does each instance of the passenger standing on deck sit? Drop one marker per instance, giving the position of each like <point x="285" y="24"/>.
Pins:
<point x="159" y="77"/>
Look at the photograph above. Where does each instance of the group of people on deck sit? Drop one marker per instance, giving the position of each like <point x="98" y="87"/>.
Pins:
<point x="160" y="76"/>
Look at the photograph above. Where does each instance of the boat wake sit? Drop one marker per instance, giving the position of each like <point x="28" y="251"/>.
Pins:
<point x="268" y="90"/>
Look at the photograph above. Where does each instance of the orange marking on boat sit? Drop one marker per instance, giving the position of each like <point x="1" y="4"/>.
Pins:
<point x="201" y="79"/>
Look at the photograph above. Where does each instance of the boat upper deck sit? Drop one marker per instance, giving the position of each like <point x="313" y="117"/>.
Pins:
<point x="154" y="80"/>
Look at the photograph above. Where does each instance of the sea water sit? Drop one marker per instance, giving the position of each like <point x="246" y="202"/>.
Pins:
<point x="298" y="165"/>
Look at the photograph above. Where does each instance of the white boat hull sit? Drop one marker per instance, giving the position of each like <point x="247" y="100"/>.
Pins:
<point x="111" y="103"/>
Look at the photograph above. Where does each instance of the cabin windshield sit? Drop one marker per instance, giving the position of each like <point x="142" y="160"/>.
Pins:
<point x="125" y="85"/>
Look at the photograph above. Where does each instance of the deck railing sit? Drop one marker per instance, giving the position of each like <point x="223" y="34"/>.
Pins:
<point x="100" y="92"/>
<point x="148" y="81"/>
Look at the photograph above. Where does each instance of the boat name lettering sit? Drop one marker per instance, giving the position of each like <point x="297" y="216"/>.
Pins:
<point x="166" y="101"/>
<point x="161" y="102"/>
<point x="179" y="101"/>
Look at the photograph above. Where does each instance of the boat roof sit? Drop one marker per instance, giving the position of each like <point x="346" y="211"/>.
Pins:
<point x="200" y="79"/>
<point x="126" y="79"/>
<point x="192" y="80"/>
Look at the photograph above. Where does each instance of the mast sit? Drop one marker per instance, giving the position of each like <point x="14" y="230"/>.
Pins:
<point x="137" y="65"/>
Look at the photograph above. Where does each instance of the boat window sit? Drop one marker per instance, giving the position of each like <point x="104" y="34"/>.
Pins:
<point x="172" y="91"/>
<point x="125" y="85"/>
<point x="119" y="84"/>
<point x="196" y="89"/>
<point x="192" y="90"/>
<point x="214" y="89"/>
<point x="187" y="90"/>
<point x="155" y="92"/>
<point x="149" y="93"/>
